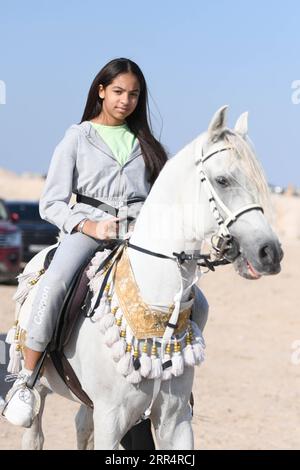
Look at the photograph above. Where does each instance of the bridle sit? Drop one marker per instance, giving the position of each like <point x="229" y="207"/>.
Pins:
<point x="226" y="247"/>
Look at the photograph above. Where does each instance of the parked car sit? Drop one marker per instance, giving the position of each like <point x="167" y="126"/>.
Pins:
<point x="36" y="232"/>
<point x="10" y="246"/>
<point x="276" y="189"/>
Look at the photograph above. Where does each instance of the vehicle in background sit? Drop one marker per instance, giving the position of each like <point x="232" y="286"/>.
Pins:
<point x="276" y="189"/>
<point x="37" y="234"/>
<point x="10" y="246"/>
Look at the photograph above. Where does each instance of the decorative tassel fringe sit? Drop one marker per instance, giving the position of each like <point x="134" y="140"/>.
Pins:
<point x="95" y="283"/>
<point x="118" y="349"/>
<point x="199" y="353"/>
<point x="188" y="355"/>
<point x="156" y="369"/>
<point x="26" y="283"/>
<point x="15" y="362"/>
<point x="100" y="311"/>
<point x="146" y="362"/>
<point x="188" y="352"/>
<point x="177" y="360"/>
<point x="107" y="321"/>
<point x="125" y="365"/>
<point x="198" y="343"/>
<point x="134" y="377"/>
<point x="10" y="337"/>
<point x="112" y="335"/>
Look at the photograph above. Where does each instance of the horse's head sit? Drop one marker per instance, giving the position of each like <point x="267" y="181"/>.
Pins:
<point x="233" y="181"/>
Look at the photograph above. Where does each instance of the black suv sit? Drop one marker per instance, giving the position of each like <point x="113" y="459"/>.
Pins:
<point x="36" y="232"/>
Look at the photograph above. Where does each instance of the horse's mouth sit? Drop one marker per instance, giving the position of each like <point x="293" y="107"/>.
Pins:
<point x="251" y="271"/>
<point x="246" y="269"/>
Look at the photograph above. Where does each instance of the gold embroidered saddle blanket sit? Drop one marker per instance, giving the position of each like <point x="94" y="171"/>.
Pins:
<point x="145" y="322"/>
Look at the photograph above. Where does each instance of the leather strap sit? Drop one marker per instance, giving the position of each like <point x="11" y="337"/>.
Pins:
<point x="103" y="205"/>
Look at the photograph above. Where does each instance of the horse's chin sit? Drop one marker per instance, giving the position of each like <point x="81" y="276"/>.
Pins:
<point x="245" y="269"/>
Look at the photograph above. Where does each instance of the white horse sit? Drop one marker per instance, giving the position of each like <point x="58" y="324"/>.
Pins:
<point x="212" y="190"/>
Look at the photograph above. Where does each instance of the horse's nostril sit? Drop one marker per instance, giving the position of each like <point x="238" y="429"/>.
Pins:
<point x="267" y="254"/>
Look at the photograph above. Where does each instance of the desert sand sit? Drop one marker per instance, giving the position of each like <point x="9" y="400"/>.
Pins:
<point x="247" y="392"/>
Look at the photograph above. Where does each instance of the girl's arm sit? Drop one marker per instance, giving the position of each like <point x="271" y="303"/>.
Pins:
<point x="59" y="184"/>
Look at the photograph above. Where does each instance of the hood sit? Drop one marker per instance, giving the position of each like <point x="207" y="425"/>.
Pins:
<point x="7" y="226"/>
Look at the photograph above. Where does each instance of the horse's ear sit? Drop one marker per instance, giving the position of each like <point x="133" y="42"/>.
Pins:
<point x="217" y="124"/>
<point x="241" y="126"/>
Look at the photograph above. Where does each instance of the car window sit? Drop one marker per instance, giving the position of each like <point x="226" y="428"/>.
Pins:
<point x="25" y="211"/>
<point x="3" y="212"/>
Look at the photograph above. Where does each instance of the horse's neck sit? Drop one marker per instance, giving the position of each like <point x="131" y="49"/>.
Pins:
<point x="160" y="228"/>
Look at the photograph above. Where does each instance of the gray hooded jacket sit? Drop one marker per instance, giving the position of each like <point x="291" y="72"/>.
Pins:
<point x="82" y="163"/>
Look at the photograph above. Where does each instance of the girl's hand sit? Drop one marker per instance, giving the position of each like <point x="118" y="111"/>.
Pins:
<point x="102" y="230"/>
<point x="107" y="229"/>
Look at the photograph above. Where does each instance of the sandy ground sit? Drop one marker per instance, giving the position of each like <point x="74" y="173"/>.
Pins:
<point x="247" y="393"/>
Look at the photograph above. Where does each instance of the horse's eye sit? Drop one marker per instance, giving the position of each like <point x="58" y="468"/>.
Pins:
<point x="222" y="181"/>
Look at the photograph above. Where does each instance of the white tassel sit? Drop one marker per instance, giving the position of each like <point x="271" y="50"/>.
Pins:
<point x="177" y="364"/>
<point x="145" y="361"/>
<point x="134" y="377"/>
<point x="199" y="353"/>
<point x="107" y="321"/>
<point x="95" y="283"/>
<point x="26" y="283"/>
<point x="118" y="349"/>
<point x="188" y="355"/>
<point x="125" y="365"/>
<point x="103" y="309"/>
<point x="10" y="337"/>
<point x="146" y="364"/>
<point x="15" y="362"/>
<point x="198" y="344"/>
<point x="156" y="369"/>
<point x="167" y="373"/>
<point x="112" y="335"/>
<point x="90" y="273"/>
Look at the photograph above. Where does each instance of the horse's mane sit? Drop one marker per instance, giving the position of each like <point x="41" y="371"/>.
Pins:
<point x="251" y="166"/>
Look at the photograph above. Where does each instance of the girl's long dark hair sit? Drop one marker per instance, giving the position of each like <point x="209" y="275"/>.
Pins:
<point x="153" y="152"/>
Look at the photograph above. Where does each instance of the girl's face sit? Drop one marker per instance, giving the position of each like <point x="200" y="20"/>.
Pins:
<point x="120" y="99"/>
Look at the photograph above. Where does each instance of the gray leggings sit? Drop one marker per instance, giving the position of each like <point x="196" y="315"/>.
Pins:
<point x="70" y="255"/>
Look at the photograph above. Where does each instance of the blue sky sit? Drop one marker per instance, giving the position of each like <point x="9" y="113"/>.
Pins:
<point x="196" y="56"/>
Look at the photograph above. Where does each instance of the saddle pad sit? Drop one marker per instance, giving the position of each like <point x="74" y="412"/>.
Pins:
<point x="144" y="321"/>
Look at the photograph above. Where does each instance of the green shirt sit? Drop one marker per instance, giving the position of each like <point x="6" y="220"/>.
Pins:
<point x="119" y="139"/>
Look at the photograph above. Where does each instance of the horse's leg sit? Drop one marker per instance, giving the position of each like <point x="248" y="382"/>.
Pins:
<point x="171" y="414"/>
<point x="177" y="437"/>
<point x="109" y="427"/>
<point x="84" y="428"/>
<point x="33" y="437"/>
